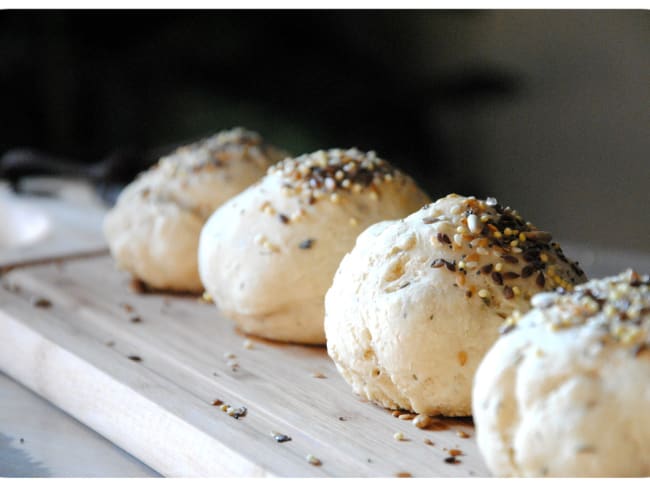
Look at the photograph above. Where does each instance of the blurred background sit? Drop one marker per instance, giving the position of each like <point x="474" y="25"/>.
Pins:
<point x="549" y="111"/>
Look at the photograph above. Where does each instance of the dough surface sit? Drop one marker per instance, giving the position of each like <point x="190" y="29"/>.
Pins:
<point x="153" y="230"/>
<point x="565" y="391"/>
<point x="268" y="256"/>
<point x="417" y="303"/>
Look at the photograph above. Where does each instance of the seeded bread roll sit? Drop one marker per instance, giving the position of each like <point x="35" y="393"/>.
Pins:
<point x="417" y="303"/>
<point x="268" y="256"/>
<point x="565" y="391"/>
<point x="153" y="230"/>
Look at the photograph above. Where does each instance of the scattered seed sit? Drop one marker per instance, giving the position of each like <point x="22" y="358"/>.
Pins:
<point x="451" y="460"/>
<point x="403" y="474"/>
<point x="318" y="375"/>
<point x="487" y="268"/>
<point x="527" y="271"/>
<point x="217" y="402"/>
<point x="443" y="238"/>
<point x="237" y="412"/>
<point x="311" y="459"/>
<point x="283" y="218"/>
<point x="430" y="220"/>
<point x="229" y="355"/>
<point x="462" y="435"/>
<point x="137" y="359"/>
<point x="429" y="442"/>
<point x="306" y="244"/>
<point x="508" y="293"/>
<point x="462" y="358"/>
<point x="280" y="437"/>
<point x="497" y="277"/>
<point x="455" y="452"/>
<point x="248" y="344"/>
<point x="136" y="319"/>
<point x="422" y="421"/>
<point x="406" y="416"/>
<point x="399" y="436"/>
<point x="41" y="302"/>
<point x="438" y="263"/>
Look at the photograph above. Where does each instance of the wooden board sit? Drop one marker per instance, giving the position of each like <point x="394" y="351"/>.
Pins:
<point x="158" y="404"/>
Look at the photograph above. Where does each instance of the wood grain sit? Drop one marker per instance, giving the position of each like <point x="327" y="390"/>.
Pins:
<point x="159" y="408"/>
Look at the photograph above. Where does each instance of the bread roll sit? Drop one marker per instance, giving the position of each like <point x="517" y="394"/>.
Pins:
<point x="268" y="255"/>
<point x="417" y="303"/>
<point x="565" y="391"/>
<point x="153" y="230"/>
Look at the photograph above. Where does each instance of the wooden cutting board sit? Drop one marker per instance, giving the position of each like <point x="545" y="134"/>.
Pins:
<point x="144" y="369"/>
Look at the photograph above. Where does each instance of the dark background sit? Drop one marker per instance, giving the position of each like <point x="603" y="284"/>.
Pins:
<point x="547" y="111"/>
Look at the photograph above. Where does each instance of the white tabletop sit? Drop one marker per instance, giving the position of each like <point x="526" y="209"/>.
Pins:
<point x="39" y="440"/>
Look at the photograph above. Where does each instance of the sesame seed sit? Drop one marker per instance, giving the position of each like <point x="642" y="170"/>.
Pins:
<point x="474" y="224"/>
<point x="399" y="436"/>
<point x="498" y="267"/>
<point x="462" y="434"/>
<point x="483" y="293"/>
<point x="248" y="344"/>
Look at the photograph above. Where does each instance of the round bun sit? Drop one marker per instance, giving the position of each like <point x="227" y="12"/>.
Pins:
<point x="268" y="255"/>
<point x="566" y="390"/>
<point x="153" y="230"/>
<point x="417" y="303"/>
